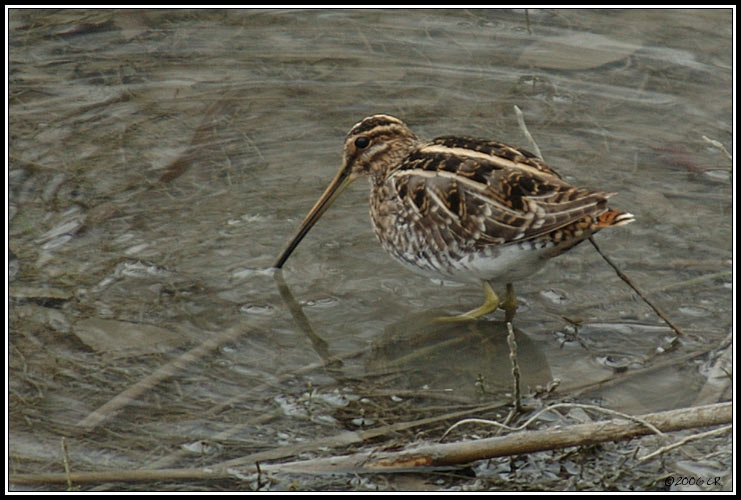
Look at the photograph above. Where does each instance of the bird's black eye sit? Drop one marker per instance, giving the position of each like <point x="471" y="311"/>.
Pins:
<point x="361" y="142"/>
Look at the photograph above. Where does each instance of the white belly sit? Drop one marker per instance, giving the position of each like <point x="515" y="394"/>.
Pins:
<point x="502" y="264"/>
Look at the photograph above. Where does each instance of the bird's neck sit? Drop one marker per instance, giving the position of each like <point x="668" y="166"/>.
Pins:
<point x="391" y="158"/>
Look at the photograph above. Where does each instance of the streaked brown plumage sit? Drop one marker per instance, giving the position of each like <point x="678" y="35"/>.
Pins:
<point x="462" y="208"/>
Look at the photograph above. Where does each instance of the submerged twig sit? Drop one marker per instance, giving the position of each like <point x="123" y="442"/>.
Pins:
<point x="630" y="283"/>
<point x="164" y="372"/>
<point x="517" y="404"/>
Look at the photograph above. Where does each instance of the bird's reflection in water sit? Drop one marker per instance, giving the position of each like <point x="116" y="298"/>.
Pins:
<point x="468" y="360"/>
<point x="463" y="361"/>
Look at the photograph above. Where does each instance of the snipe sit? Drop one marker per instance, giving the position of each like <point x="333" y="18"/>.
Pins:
<point x="463" y="209"/>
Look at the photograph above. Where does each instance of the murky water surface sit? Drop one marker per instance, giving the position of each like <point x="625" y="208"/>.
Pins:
<point x="160" y="160"/>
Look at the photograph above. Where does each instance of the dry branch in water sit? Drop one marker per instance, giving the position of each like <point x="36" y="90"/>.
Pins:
<point x="431" y="455"/>
<point x="458" y="453"/>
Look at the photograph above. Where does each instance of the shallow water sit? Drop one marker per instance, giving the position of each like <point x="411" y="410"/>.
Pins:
<point x="160" y="159"/>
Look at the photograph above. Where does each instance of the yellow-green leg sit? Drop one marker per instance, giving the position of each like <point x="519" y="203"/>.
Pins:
<point x="490" y="304"/>
<point x="510" y="303"/>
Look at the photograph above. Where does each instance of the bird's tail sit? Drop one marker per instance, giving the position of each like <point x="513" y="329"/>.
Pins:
<point x="614" y="218"/>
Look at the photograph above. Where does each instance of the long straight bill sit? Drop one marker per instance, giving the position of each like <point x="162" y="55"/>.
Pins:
<point x="338" y="184"/>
